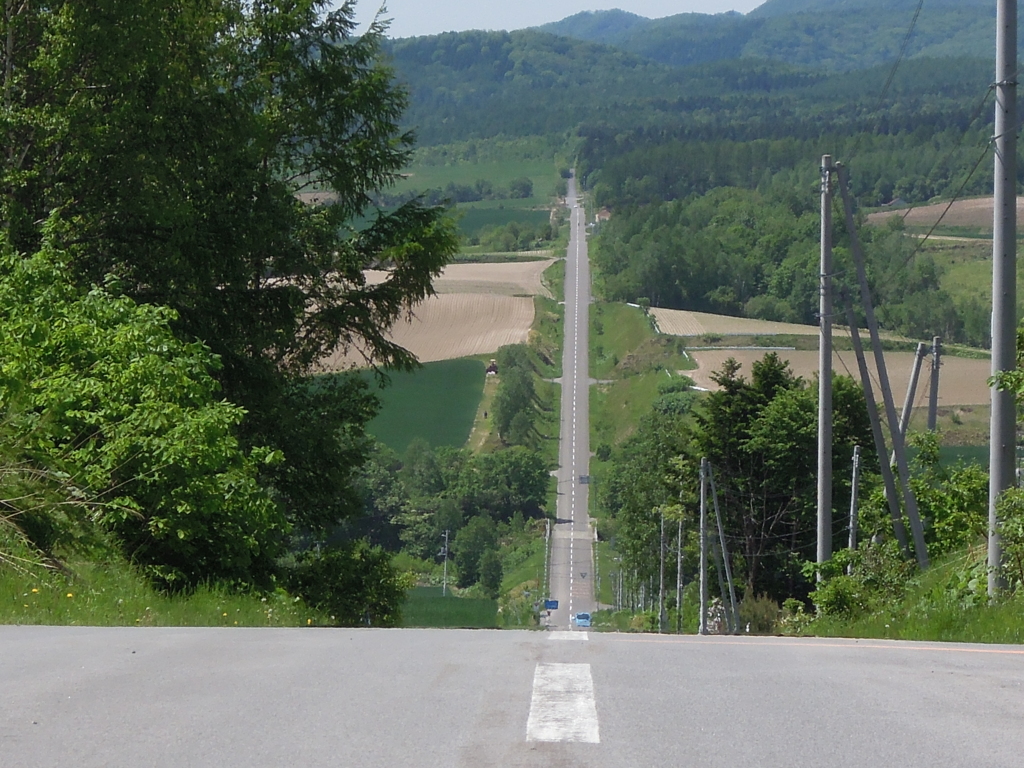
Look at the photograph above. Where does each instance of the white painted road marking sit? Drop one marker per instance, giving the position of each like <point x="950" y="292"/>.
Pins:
<point x="563" y="706"/>
<point x="559" y="634"/>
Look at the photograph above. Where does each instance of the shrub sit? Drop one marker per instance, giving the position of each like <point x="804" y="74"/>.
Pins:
<point x="758" y="615"/>
<point x="355" y="583"/>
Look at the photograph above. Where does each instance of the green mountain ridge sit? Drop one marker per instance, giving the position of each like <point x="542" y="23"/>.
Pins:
<point x="837" y="35"/>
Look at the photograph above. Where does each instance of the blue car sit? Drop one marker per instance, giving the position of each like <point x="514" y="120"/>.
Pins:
<point x="582" y="619"/>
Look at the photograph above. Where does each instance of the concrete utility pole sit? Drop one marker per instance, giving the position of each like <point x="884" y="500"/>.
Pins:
<point x="1002" y="443"/>
<point x="854" y="490"/>
<point x="661" y="578"/>
<point x="909" y="500"/>
<point x="933" y="395"/>
<point x="825" y="368"/>
<point x="679" y="579"/>
<point x="444" y="582"/>
<point x="889" y="482"/>
<point x="908" y="403"/>
<point x="734" y="613"/>
<point x="703" y="620"/>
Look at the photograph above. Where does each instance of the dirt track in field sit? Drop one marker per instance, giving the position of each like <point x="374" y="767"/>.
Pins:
<point x="975" y="212"/>
<point x="961" y="381"/>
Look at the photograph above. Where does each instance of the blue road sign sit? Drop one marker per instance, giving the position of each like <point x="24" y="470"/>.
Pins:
<point x="551" y="605"/>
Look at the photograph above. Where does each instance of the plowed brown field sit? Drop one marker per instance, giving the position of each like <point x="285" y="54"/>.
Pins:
<point x="974" y="213"/>
<point x="681" y="322"/>
<point x="502" y="279"/>
<point x="455" y="325"/>
<point x="961" y="381"/>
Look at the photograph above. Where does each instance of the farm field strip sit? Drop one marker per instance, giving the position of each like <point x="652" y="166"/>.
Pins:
<point x="974" y="212"/>
<point x="453" y="325"/>
<point x="501" y="279"/>
<point x="962" y="381"/>
<point x="683" y="322"/>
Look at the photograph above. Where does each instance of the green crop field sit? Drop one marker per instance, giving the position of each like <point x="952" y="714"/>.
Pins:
<point x="473" y="219"/>
<point x="436" y="403"/>
<point x="543" y="174"/>
<point x="425" y="607"/>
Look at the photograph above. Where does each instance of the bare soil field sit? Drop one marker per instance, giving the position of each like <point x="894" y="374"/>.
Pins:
<point x="453" y="325"/>
<point x="681" y="322"/>
<point x="975" y="213"/>
<point x="961" y="381"/>
<point x="500" y="279"/>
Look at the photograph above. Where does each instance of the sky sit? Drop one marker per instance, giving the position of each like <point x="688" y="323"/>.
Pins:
<point x="429" y="17"/>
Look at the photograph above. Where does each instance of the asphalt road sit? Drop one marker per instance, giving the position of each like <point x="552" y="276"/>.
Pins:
<point x="88" y="697"/>
<point x="571" y="566"/>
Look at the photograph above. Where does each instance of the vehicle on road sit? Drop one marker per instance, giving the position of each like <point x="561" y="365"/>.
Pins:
<point x="581" y="619"/>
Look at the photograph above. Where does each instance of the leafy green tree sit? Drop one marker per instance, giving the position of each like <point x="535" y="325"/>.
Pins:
<point x="521" y="187"/>
<point x="477" y="537"/>
<point x="170" y="150"/>
<point x="760" y="438"/>
<point x="354" y="583"/>
<point x="110" y="397"/>
<point x="491" y="573"/>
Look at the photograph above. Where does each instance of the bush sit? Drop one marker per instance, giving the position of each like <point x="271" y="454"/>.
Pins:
<point x="758" y="615"/>
<point x="355" y="583"/>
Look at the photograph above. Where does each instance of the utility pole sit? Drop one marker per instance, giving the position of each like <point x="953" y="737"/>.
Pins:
<point x="854" y="489"/>
<point x="910" y="501"/>
<point x="898" y="529"/>
<point x="679" y="578"/>
<point x="661" y="578"/>
<point x="734" y="613"/>
<point x="703" y="620"/>
<point x="444" y="583"/>
<point x="1002" y="443"/>
<point x="933" y="395"/>
<point x="825" y="368"/>
<point x="908" y="403"/>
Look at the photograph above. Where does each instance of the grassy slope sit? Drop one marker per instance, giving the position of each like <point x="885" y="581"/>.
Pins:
<point x="426" y="607"/>
<point x="436" y="403"/>
<point x="112" y="595"/>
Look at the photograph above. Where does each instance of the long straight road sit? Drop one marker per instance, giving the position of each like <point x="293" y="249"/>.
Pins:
<point x="267" y="698"/>
<point x="571" y="568"/>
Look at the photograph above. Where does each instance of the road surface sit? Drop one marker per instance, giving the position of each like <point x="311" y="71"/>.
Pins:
<point x="571" y="567"/>
<point x="178" y="698"/>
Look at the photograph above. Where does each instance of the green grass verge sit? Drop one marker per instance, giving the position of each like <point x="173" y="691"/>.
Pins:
<point x="436" y="403"/>
<point x="931" y="611"/>
<point x="113" y="595"/>
<point x="426" y="607"/>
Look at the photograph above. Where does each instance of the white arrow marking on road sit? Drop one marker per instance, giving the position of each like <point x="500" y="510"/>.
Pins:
<point x="557" y="634"/>
<point x="563" y="706"/>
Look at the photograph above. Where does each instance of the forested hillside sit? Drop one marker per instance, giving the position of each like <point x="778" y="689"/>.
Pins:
<point x="831" y="35"/>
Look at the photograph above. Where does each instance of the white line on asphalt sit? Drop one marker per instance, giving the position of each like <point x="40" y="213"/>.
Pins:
<point x="563" y="707"/>
<point x="563" y="635"/>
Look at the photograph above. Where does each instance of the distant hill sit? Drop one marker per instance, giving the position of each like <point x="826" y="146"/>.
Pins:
<point x="471" y="85"/>
<point x="786" y="7"/>
<point x="838" y="35"/>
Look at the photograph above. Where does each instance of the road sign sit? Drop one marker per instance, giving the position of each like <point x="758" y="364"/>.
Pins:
<point x="551" y="605"/>
<point x="584" y="479"/>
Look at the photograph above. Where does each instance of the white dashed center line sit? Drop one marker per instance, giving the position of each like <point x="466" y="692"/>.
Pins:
<point x="563" y="707"/>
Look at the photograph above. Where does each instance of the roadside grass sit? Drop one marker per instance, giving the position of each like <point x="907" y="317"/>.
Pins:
<point x="933" y="611"/>
<point x="607" y="572"/>
<point x="616" y="330"/>
<point x="112" y="594"/>
<point x="426" y="607"/>
<point x="436" y="403"/>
